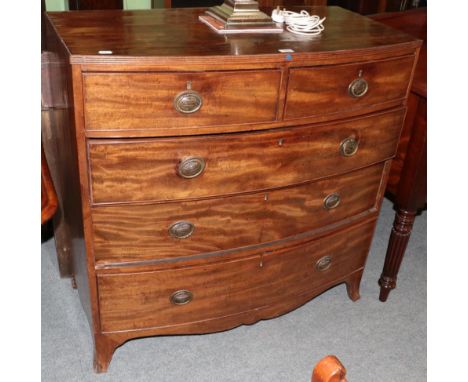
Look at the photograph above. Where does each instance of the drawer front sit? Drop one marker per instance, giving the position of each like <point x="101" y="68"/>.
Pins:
<point x="122" y="101"/>
<point x="163" y="231"/>
<point x="194" y="167"/>
<point x="332" y="89"/>
<point x="187" y="295"/>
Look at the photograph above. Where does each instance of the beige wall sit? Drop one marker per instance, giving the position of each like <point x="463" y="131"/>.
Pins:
<point x="56" y="5"/>
<point x="137" y="4"/>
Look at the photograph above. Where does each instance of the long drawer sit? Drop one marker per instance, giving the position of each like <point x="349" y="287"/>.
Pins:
<point x="332" y="89"/>
<point x="193" y="294"/>
<point x="125" y="234"/>
<point x="136" y="101"/>
<point x="194" y="167"/>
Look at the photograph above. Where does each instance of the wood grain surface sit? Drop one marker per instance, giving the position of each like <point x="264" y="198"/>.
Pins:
<point x="177" y="36"/>
<point x="402" y="149"/>
<point x="142" y="300"/>
<point x="324" y="90"/>
<point x="125" y="234"/>
<point x="146" y="170"/>
<point x="135" y="101"/>
<point x="413" y="22"/>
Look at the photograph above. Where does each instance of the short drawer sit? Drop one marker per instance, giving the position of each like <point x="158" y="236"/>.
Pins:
<point x="193" y="294"/>
<point x="133" y="101"/>
<point x="332" y="89"/>
<point x="124" y="234"/>
<point x="194" y="167"/>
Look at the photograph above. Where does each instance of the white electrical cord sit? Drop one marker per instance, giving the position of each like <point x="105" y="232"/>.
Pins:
<point x="299" y="23"/>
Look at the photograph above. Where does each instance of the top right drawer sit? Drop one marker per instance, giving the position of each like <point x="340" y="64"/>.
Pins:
<point x="327" y="90"/>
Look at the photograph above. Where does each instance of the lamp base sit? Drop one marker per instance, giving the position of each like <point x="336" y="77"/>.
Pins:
<point x="220" y="27"/>
<point x="238" y="13"/>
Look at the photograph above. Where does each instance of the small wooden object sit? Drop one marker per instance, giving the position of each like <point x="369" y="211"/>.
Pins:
<point x="329" y="369"/>
<point x="82" y="5"/>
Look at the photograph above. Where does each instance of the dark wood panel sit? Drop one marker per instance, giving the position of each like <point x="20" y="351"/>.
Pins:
<point x="262" y="3"/>
<point x="139" y="233"/>
<point x="367" y="7"/>
<point x="57" y="138"/>
<point x="146" y="101"/>
<point x="59" y="135"/>
<point x="191" y="3"/>
<point x="43" y="27"/>
<point x="289" y="3"/>
<point x="324" y="90"/>
<point x="146" y="170"/>
<point x="413" y="22"/>
<point x="142" y="300"/>
<point x="54" y="81"/>
<point x="405" y="137"/>
<point x="82" y="5"/>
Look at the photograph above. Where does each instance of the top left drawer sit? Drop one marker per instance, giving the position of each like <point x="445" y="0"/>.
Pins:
<point x="152" y="101"/>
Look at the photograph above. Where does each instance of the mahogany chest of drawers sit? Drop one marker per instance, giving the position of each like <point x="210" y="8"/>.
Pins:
<point x="216" y="181"/>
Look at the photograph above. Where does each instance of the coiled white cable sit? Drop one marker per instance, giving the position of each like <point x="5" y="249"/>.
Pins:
<point x="300" y="23"/>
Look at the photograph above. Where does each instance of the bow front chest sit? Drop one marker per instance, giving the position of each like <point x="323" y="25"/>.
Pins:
<point x="216" y="181"/>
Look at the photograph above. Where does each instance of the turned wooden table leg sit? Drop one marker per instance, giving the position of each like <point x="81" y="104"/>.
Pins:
<point x="401" y="232"/>
<point x="411" y="197"/>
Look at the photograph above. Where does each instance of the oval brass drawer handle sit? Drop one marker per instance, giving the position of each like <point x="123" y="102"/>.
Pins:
<point x="349" y="147"/>
<point x="181" y="297"/>
<point x="181" y="230"/>
<point x="324" y="263"/>
<point x="332" y="201"/>
<point x="189" y="101"/>
<point x="191" y="167"/>
<point x="358" y="87"/>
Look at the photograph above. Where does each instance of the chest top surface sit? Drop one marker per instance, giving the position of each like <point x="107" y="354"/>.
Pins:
<point x="172" y="33"/>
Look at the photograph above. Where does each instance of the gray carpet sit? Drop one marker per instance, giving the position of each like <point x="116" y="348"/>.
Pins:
<point x="377" y="342"/>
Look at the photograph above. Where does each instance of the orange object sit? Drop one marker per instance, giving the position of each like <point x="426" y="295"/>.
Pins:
<point x="48" y="195"/>
<point x="329" y="369"/>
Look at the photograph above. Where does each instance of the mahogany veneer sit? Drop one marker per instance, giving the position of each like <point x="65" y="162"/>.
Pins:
<point x="126" y="233"/>
<point x="126" y="170"/>
<point x="112" y="101"/>
<point x="221" y="181"/>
